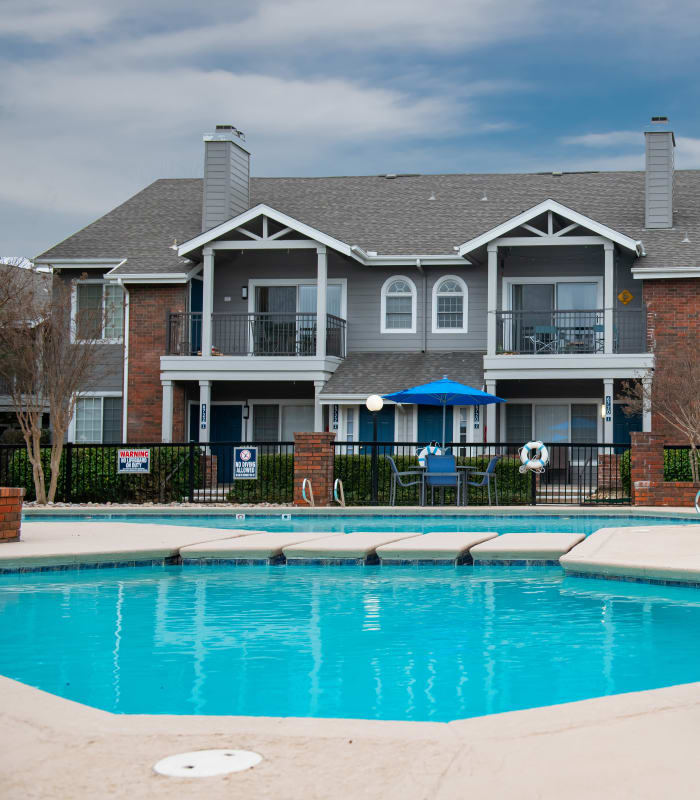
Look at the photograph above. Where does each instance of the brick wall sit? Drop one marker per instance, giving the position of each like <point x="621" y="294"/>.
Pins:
<point x="673" y="308"/>
<point x="647" y="475"/>
<point x="148" y="310"/>
<point x="608" y="470"/>
<point x="313" y="459"/>
<point x="10" y="514"/>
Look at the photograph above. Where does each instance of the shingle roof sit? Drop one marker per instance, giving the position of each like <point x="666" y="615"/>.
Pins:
<point x="393" y="216"/>
<point x="381" y="373"/>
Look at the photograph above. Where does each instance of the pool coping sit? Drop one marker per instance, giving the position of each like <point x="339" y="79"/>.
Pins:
<point x="203" y="510"/>
<point x="543" y="752"/>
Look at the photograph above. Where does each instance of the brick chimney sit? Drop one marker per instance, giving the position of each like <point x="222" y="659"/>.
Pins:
<point x="226" y="176"/>
<point x="658" y="189"/>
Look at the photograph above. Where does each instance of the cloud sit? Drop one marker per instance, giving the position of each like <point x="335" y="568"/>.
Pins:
<point x="609" y="139"/>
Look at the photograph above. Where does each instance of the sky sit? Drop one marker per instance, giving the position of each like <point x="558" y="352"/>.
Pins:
<point x="100" y="97"/>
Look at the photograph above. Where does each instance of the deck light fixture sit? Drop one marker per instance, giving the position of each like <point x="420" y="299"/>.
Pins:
<point x="602" y="410"/>
<point x="374" y="404"/>
<point x="244" y="292"/>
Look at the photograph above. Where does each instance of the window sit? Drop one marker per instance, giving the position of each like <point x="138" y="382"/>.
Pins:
<point x="99" y="311"/>
<point x="518" y="423"/>
<point x="450" y="305"/>
<point x="98" y="419"/>
<point x="398" y="306"/>
<point x="266" y="420"/>
<point x="296" y="419"/>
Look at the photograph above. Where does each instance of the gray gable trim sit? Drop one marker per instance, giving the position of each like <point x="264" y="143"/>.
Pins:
<point x="393" y="216"/>
<point x="381" y="373"/>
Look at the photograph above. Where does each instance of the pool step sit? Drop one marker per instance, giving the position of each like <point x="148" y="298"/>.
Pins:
<point x="525" y="548"/>
<point x="351" y="548"/>
<point x="439" y="547"/>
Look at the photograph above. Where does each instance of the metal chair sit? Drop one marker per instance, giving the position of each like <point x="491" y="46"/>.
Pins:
<point x="397" y="479"/>
<point x="441" y="472"/>
<point x="486" y="478"/>
<point x="546" y="339"/>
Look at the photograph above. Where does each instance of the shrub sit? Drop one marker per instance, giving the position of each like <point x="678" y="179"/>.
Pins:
<point x="274" y="484"/>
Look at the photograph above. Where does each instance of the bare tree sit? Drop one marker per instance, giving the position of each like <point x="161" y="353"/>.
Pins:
<point x="47" y="358"/>
<point x="673" y="395"/>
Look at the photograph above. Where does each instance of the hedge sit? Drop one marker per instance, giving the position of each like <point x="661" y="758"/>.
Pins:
<point x="94" y="477"/>
<point x="676" y="467"/>
<point x="355" y="471"/>
<point x="274" y="484"/>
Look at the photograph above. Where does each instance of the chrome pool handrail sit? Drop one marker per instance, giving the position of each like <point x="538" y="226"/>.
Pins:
<point x="310" y="500"/>
<point x="339" y="497"/>
<point x="697" y="502"/>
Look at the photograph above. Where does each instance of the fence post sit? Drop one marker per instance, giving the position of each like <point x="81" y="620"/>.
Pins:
<point x="68" y="482"/>
<point x="533" y="489"/>
<point x="375" y="473"/>
<point x="190" y="476"/>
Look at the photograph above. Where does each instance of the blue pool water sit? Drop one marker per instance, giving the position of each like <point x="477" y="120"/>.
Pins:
<point x="384" y="522"/>
<point x="401" y="643"/>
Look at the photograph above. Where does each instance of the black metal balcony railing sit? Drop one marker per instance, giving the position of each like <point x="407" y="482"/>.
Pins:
<point x="569" y="332"/>
<point x="258" y="334"/>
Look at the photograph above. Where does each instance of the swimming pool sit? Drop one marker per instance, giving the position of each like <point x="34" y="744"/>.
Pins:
<point x="423" y="523"/>
<point x="370" y="642"/>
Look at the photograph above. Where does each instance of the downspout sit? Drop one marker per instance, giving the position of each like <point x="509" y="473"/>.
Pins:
<point x="125" y="386"/>
<point x="420" y="269"/>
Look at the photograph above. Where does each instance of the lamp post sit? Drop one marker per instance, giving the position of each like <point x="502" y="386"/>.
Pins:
<point x="374" y="405"/>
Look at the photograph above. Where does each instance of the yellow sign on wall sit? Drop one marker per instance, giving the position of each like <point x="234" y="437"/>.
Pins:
<point x="625" y="296"/>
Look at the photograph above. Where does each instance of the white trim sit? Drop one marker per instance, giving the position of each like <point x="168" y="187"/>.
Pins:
<point x="567" y="367"/>
<point x="465" y="305"/>
<point x="561" y="210"/>
<point x="662" y="273"/>
<point x="283" y="219"/>
<point x="125" y="378"/>
<point x="414" y="304"/>
<point x="79" y="263"/>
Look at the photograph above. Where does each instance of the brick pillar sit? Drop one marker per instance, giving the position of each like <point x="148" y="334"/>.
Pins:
<point x="10" y="514"/>
<point x="313" y="459"/>
<point x="647" y="465"/>
<point x="208" y="464"/>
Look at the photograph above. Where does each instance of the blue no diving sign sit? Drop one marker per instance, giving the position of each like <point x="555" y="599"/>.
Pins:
<point x="245" y="463"/>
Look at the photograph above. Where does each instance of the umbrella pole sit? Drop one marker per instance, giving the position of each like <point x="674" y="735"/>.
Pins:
<point x="444" y="414"/>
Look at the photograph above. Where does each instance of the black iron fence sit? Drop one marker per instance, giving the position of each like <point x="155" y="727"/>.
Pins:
<point x="555" y="332"/>
<point x="89" y="473"/>
<point x="677" y="462"/>
<point x="576" y="473"/>
<point x="258" y="334"/>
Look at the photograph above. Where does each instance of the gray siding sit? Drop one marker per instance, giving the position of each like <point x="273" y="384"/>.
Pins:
<point x="658" y="180"/>
<point x="226" y="182"/>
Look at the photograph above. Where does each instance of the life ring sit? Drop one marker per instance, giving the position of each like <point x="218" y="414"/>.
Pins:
<point x="430" y="450"/>
<point x="534" y="457"/>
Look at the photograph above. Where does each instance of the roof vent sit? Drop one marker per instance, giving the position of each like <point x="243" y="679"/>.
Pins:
<point x="557" y="173"/>
<point x="390" y="175"/>
<point x="484" y="198"/>
<point x="659" y="120"/>
<point x="232" y="129"/>
<point x="432" y="196"/>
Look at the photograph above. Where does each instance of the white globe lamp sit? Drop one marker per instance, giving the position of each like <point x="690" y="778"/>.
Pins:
<point x="374" y="403"/>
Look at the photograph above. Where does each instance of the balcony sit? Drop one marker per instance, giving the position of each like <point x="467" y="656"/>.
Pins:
<point x="557" y="332"/>
<point x="257" y="334"/>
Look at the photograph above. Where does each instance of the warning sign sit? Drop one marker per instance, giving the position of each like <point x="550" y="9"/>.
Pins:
<point x="133" y="461"/>
<point x="245" y="463"/>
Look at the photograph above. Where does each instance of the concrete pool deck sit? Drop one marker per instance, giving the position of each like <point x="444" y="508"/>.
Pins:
<point x="640" y="745"/>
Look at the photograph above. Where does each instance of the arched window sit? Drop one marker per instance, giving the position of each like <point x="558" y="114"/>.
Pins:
<point x="449" y="305"/>
<point x="398" y="305"/>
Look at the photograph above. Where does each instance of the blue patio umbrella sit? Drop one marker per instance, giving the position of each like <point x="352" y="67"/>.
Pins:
<point x="444" y="393"/>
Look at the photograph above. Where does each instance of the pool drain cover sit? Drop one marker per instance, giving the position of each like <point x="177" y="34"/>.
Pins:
<point x="205" y="763"/>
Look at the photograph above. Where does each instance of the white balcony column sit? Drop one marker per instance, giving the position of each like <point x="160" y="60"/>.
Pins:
<point x="492" y="300"/>
<point x="207" y="300"/>
<point x="204" y="421"/>
<point x="609" y="297"/>
<point x="491" y="432"/>
<point x="646" y="409"/>
<point x="166" y="434"/>
<point x="608" y="403"/>
<point x="321" y="301"/>
<point x="318" y="408"/>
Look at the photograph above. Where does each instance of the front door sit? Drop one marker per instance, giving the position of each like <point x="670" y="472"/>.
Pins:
<point x="225" y="426"/>
<point x="430" y="424"/>
<point x="385" y="426"/>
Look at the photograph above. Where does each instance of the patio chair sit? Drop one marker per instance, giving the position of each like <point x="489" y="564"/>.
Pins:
<point x="397" y="479"/>
<point x="546" y="339"/>
<point x="486" y="478"/>
<point x="441" y="472"/>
